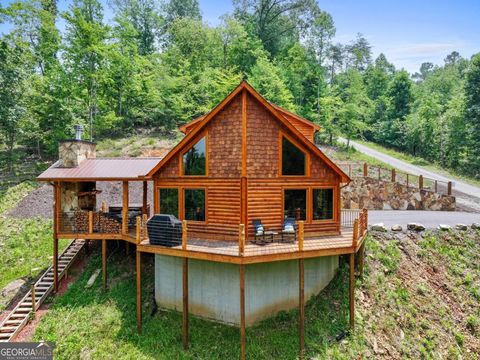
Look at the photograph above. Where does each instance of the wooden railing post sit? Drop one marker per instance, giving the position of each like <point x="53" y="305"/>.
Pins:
<point x="350" y="170"/>
<point x="379" y="173"/>
<point x="184" y="235"/>
<point x="90" y="222"/>
<point x="436" y="186"/>
<point x="241" y="239"/>
<point x="104" y="206"/>
<point x="407" y="180"/>
<point x="144" y="227"/>
<point x="394" y="175"/>
<point x="138" y="236"/>
<point x="365" y="169"/>
<point x="449" y="188"/>
<point x="301" y="234"/>
<point x="355" y="233"/>
<point x="420" y="182"/>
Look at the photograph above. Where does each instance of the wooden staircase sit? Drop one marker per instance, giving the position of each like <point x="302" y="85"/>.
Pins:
<point x="20" y="315"/>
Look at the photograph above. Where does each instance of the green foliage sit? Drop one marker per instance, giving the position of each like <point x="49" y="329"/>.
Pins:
<point x="158" y="66"/>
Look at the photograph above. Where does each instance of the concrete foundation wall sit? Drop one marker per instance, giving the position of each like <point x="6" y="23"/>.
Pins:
<point x="214" y="287"/>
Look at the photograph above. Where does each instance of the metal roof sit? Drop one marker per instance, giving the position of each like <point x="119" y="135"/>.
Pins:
<point x="102" y="169"/>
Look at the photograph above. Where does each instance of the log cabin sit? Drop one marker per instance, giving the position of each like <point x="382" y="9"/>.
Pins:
<point x="245" y="203"/>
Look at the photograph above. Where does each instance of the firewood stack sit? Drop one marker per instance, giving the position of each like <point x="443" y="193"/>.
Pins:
<point x="101" y="223"/>
<point x="104" y="224"/>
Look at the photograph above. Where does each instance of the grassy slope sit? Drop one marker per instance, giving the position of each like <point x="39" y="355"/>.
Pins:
<point x="419" y="298"/>
<point x="419" y="162"/>
<point x="25" y="244"/>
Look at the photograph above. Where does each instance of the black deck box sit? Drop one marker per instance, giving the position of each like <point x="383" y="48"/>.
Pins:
<point x="165" y="230"/>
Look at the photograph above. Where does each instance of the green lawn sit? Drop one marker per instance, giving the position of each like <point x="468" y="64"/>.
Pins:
<point x="414" y="160"/>
<point x="419" y="299"/>
<point x="25" y="244"/>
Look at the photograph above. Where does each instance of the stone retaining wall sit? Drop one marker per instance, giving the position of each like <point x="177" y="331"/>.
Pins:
<point x="377" y="194"/>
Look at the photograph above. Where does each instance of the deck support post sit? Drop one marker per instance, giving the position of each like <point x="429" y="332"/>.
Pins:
<point x="185" y="305"/>
<point x="301" y="307"/>
<point x="139" y="290"/>
<point x="243" y="346"/>
<point x="361" y="259"/>
<point x="352" y="290"/>
<point x="104" y="263"/>
<point x="55" y="264"/>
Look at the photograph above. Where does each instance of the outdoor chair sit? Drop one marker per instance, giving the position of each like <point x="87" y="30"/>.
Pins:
<point x="262" y="236"/>
<point x="289" y="230"/>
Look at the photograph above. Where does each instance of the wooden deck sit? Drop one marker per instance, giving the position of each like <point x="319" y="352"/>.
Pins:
<point x="228" y="251"/>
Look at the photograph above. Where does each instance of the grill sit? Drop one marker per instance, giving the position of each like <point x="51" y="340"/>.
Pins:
<point x="165" y="230"/>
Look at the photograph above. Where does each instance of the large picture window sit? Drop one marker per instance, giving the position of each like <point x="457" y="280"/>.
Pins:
<point x="293" y="159"/>
<point x="195" y="159"/>
<point x="322" y="204"/>
<point x="195" y="204"/>
<point x="169" y="201"/>
<point x="295" y="204"/>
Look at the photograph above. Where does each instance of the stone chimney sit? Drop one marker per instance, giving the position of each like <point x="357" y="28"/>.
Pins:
<point x="72" y="153"/>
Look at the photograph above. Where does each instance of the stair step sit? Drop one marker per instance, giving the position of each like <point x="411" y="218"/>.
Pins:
<point x="12" y="322"/>
<point x="5" y="335"/>
<point x="8" y="329"/>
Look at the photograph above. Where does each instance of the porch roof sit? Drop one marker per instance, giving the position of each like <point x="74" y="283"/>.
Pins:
<point x="102" y="169"/>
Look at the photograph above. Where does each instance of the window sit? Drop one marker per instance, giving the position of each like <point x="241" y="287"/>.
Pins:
<point x="195" y="204"/>
<point x="322" y="204"/>
<point x="194" y="160"/>
<point x="295" y="204"/>
<point x="293" y="159"/>
<point x="169" y="201"/>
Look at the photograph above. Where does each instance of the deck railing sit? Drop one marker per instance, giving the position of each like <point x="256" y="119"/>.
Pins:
<point x="179" y="235"/>
<point x="393" y="175"/>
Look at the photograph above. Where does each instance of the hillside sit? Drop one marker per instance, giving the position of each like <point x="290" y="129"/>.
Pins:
<point x="420" y="298"/>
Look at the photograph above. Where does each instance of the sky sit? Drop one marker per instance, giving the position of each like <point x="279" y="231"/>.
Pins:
<point x="408" y="32"/>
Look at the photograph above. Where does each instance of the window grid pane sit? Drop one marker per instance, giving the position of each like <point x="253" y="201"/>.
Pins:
<point x="169" y="201"/>
<point x="322" y="204"/>
<point x="195" y="204"/>
<point x="295" y="204"/>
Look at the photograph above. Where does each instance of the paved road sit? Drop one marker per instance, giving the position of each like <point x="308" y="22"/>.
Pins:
<point x="462" y="190"/>
<point x="430" y="219"/>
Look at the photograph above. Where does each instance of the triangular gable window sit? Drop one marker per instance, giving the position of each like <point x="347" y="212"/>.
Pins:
<point x="195" y="159"/>
<point x="293" y="159"/>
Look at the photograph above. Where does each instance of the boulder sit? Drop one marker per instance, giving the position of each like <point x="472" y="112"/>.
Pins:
<point x="12" y="288"/>
<point x="476" y="226"/>
<point x="378" y="227"/>
<point x="415" y="227"/>
<point x="462" y="227"/>
<point x="444" y="227"/>
<point x="397" y="227"/>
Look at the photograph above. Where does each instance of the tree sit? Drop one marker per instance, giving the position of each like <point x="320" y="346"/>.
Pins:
<point x="425" y="69"/>
<point x="276" y="22"/>
<point x="400" y="100"/>
<point x="359" y="53"/>
<point x="177" y="9"/>
<point x="144" y="17"/>
<point x="84" y="56"/>
<point x="320" y="35"/>
<point x="472" y="114"/>
<point x="12" y="88"/>
<point x="266" y="78"/>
